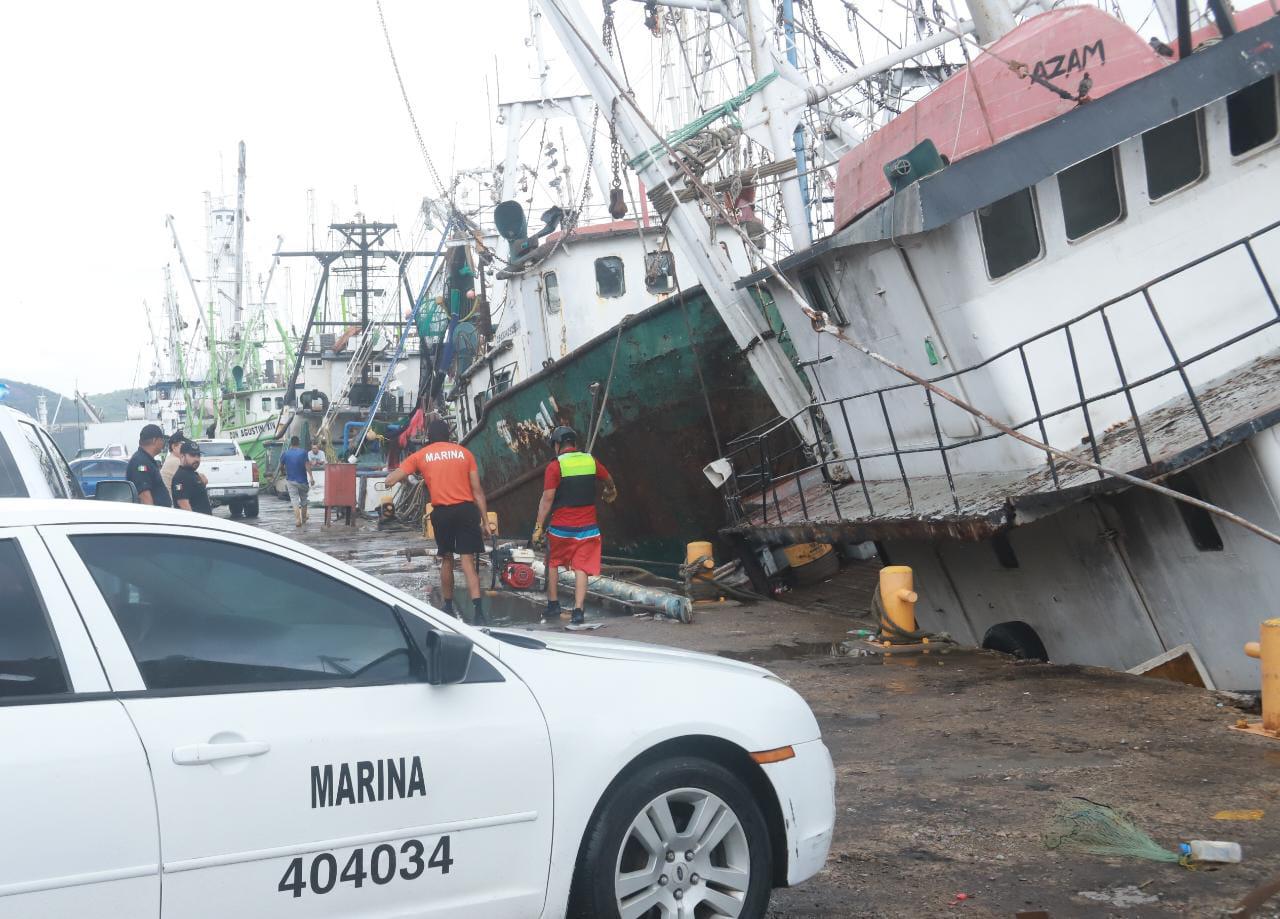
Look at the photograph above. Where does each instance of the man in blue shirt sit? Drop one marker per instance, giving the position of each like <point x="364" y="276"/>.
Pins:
<point x="297" y="478"/>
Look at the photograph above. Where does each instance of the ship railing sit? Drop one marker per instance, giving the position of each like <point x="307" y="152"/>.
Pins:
<point x="833" y="478"/>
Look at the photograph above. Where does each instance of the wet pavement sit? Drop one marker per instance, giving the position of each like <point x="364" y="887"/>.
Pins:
<point x="949" y="763"/>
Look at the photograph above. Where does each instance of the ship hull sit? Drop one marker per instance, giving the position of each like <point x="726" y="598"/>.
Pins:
<point x="655" y="432"/>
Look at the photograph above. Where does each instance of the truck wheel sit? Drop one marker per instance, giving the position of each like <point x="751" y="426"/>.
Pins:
<point x="236" y="509"/>
<point x="686" y="837"/>
<point x="250" y="508"/>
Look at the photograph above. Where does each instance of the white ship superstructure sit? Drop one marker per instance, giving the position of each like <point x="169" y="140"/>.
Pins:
<point x="1075" y="234"/>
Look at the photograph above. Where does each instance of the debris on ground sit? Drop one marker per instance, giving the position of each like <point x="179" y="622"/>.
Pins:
<point x="1126" y="896"/>
<point x="1083" y="826"/>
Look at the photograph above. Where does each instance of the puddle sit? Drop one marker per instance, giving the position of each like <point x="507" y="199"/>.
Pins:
<point x="799" y="650"/>
<point x="504" y="607"/>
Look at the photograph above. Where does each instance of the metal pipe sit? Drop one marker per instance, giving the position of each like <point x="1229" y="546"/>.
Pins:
<point x="815" y="94"/>
<point x="668" y="604"/>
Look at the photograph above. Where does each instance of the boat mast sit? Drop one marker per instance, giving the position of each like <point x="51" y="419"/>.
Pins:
<point x="688" y="227"/>
<point x="239" y="313"/>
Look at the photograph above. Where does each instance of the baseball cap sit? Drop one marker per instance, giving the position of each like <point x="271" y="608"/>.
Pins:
<point x="437" y="430"/>
<point x="190" y="448"/>
<point x="150" y="432"/>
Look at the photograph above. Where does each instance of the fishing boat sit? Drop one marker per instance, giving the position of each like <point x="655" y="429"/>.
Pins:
<point x="1050" y="280"/>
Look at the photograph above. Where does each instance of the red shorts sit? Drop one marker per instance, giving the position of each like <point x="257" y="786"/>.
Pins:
<point x="575" y="554"/>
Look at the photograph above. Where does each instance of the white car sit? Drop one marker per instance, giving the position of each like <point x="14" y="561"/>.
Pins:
<point x="202" y="719"/>
<point x="31" y="465"/>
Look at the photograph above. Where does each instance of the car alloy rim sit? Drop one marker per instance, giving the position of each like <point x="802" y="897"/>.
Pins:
<point x="685" y="855"/>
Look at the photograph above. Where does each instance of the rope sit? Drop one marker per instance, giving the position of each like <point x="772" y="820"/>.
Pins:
<point x="700" y="124"/>
<point x="595" y="428"/>
<point x="888" y="630"/>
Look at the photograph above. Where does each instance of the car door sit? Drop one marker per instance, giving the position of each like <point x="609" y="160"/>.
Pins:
<point x="300" y="767"/>
<point x="78" y="830"/>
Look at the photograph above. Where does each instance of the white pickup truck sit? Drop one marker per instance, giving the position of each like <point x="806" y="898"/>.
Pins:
<point x="233" y="479"/>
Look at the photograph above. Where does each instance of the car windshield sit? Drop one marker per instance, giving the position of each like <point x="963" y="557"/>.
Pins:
<point x="208" y="449"/>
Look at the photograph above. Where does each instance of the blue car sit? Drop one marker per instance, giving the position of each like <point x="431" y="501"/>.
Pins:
<point x="89" y="472"/>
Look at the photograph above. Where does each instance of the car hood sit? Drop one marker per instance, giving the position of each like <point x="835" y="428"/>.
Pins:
<point x="640" y="652"/>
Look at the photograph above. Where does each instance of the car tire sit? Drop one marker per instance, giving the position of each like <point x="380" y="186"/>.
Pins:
<point x="235" y="509"/>
<point x="643" y="845"/>
<point x="250" y="508"/>
<point x="1016" y="638"/>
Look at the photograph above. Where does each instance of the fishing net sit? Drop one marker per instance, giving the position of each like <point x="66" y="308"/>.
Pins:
<point x="1080" y="825"/>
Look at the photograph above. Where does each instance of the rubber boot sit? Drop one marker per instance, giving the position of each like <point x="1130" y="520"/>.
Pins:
<point x="479" y="618"/>
<point x="447" y="607"/>
<point x="578" y="618"/>
<point x="552" y="612"/>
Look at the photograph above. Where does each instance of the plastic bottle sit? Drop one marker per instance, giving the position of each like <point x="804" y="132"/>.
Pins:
<point x="1204" y="850"/>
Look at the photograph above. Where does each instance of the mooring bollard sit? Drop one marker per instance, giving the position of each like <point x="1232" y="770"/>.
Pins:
<point x="1267" y="651"/>
<point x="898" y="597"/>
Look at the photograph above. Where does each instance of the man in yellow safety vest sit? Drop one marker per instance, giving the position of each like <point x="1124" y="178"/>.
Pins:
<point x="569" y="497"/>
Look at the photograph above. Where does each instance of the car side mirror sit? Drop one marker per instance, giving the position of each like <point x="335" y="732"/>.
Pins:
<point x="448" y="657"/>
<point x="116" y="490"/>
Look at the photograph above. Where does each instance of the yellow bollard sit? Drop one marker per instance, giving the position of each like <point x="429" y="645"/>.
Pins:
<point x="1268" y="652"/>
<point x="897" y="596"/>
<point x="696" y="550"/>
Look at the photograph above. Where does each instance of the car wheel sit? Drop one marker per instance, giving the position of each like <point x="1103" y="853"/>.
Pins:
<point x="250" y="507"/>
<point x="683" y="837"/>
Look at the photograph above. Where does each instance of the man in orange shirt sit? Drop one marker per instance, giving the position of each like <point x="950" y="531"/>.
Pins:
<point x="459" y="513"/>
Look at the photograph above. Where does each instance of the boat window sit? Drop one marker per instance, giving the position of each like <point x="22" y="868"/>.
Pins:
<point x="1010" y="233"/>
<point x="30" y="664"/>
<point x="609" y="279"/>
<point x="1090" y="193"/>
<point x="1174" y="155"/>
<point x="659" y="272"/>
<point x="316" y="362"/>
<point x="279" y="402"/>
<point x="818" y="292"/>
<point x="551" y="292"/>
<point x="501" y="381"/>
<point x="1199" y="522"/>
<point x="1252" y="116"/>
<point x="244" y="616"/>
<point x="266" y="404"/>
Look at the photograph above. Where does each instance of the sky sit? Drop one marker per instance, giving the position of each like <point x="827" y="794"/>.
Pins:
<point x="115" y="115"/>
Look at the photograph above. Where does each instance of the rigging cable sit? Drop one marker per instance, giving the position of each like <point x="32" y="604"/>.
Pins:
<point x="404" y="94"/>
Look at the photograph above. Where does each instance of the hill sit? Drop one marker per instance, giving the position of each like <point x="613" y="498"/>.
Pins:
<point x="25" y="398"/>
<point x="112" y="404"/>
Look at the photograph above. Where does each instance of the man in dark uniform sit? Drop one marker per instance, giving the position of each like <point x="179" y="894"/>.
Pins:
<point x="189" y="492"/>
<point x="144" y="472"/>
